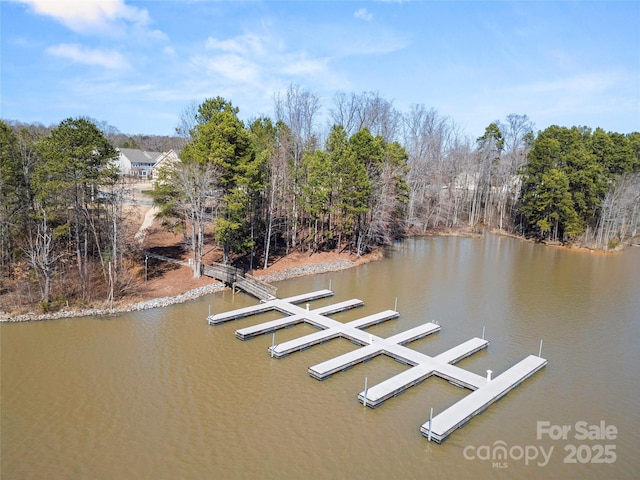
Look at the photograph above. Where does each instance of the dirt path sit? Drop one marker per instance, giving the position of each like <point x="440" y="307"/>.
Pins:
<point x="149" y="217"/>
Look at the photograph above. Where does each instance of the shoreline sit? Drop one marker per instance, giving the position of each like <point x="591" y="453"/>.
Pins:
<point x="277" y="276"/>
<point x="293" y="272"/>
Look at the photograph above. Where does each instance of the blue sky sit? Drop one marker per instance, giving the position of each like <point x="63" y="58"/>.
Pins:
<point x="136" y="65"/>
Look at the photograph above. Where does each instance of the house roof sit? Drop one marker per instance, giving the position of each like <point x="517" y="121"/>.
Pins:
<point x="140" y="156"/>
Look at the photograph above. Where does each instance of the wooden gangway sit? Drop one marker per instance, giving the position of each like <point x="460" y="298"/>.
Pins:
<point x="236" y="278"/>
<point x="457" y="415"/>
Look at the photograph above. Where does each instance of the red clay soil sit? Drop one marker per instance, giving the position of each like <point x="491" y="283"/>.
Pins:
<point x="167" y="279"/>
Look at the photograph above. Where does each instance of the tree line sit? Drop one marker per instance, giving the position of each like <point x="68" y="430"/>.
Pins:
<point x="62" y="227"/>
<point x="265" y="187"/>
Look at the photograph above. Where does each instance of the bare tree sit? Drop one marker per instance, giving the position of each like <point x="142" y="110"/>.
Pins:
<point x="199" y="186"/>
<point x="277" y="188"/>
<point x="355" y="112"/>
<point x="429" y="137"/>
<point x="40" y="251"/>
<point x="187" y="121"/>
<point x="620" y="212"/>
<point x="518" y="135"/>
<point x="297" y="108"/>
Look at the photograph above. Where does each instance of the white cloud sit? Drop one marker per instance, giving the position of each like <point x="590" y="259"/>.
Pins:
<point x="247" y="44"/>
<point x="305" y="67"/>
<point x="86" y="16"/>
<point x="587" y="83"/>
<point x="230" y="67"/>
<point x="363" y="14"/>
<point x="254" y="60"/>
<point x="88" y="56"/>
<point x="250" y="67"/>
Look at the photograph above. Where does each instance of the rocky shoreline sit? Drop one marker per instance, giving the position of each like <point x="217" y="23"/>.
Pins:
<point x="183" y="297"/>
<point x="306" y="270"/>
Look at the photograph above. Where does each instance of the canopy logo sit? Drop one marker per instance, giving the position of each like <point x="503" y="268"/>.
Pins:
<point x="587" y="451"/>
<point x="499" y="453"/>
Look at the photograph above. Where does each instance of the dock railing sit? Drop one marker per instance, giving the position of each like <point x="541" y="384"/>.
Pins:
<point x="224" y="273"/>
<point x="237" y="279"/>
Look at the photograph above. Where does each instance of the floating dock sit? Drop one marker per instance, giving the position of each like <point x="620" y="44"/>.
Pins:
<point x="344" y="331"/>
<point x="266" y="307"/>
<point x="439" y="366"/>
<point x="485" y="390"/>
<point x="457" y="415"/>
<point x="392" y="346"/>
<point x="296" y="315"/>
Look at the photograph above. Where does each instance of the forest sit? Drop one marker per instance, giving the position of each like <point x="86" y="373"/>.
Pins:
<point x="262" y="188"/>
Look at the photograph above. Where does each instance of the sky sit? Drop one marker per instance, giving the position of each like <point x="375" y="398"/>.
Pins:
<point x="138" y="64"/>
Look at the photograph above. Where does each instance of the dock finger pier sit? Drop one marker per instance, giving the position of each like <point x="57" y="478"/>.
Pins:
<point x="484" y="390"/>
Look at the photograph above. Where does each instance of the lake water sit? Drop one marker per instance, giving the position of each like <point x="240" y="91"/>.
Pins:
<point x="160" y="394"/>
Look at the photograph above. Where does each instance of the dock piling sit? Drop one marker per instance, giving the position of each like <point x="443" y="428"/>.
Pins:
<point x="483" y="332"/>
<point x="540" y="350"/>
<point x="364" y="399"/>
<point x="430" y="420"/>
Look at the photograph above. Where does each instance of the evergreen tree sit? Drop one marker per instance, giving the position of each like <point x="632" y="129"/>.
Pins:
<point x="559" y="156"/>
<point x="77" y="164"/>
<point x="224" y="143"/>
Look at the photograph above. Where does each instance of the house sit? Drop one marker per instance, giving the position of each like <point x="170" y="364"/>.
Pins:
<point x="165" y="160"/>
<point x="140" y="163"/>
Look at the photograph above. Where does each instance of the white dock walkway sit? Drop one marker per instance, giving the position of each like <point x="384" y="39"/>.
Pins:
<point x="340" y="330"/>
<point x="461" y="412"/>
<point x="266" y="306"/>
<point x="300" y="316"/>
<point x="375" y="345"/>
<point x="427" y="367"/>
<point x="308" y="297"/>
<point x="485" y="390"/>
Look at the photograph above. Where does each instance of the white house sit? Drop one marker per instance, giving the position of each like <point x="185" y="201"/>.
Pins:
<point x="165" y="160"/>
<point x="140" y="163"/>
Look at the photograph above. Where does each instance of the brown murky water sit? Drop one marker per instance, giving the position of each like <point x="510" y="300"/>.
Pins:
<point x="162" y="395"/>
